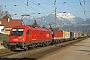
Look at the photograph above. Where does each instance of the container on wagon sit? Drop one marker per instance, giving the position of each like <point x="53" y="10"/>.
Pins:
<point x="66" y="35"/>
<point x="71" y="35"/>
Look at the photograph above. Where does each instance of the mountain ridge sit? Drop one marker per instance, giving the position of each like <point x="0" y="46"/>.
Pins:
<point x="64" y="18"/>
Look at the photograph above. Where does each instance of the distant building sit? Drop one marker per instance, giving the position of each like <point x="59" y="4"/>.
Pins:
<point x="7" y="24"/>
<point x="2" y="29"/>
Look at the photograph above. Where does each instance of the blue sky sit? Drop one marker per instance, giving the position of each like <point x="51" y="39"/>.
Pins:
<point x="46" y="6"/>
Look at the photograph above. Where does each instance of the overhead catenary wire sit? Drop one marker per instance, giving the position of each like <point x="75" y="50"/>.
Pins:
<point x="5" y="7"/>
<point x="25" y="4"/>
<point x="28" y="5"/>
<point x="53" y="4"/>
<point x="9" y="9"/>
<point x="14" y="10"/>
<point x="39" y="6"/>
<point x="83" y="8"/>
<point x="72" y="2"/>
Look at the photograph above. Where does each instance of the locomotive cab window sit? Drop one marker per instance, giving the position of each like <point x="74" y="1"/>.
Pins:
<point x="52" y="32"/>
<point x="17" y="31"/>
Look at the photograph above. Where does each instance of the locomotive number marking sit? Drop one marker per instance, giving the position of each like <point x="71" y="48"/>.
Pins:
<point x="33" y="39"/>
<point x="16" y="39"/>
<point x="19" y="37"/>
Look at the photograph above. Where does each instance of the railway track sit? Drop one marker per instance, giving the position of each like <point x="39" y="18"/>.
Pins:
<point x="36" y="52"/>
<point x="6" y="52"/>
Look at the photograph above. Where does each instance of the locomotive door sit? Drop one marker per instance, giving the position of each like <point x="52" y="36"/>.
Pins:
<point x="28" y="36"/>
<point x="34" y="35"/>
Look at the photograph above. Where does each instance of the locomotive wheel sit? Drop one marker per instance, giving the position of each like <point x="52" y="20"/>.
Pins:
<point x="61" y="41"/>
<point x="26" y="48"/>
<point x="58" y="41"/>
<point x="11" y="49"/>
<point x="43" y="44"/>
<point x="66" y="40"/>
<point x="47" y="43"/>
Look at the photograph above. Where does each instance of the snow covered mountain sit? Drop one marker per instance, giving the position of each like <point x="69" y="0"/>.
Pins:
<point x="85" y="25"/>
<point x="61" y="18"/>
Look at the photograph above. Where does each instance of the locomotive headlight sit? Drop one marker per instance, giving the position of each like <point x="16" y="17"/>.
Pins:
<point x="23" y="39"/>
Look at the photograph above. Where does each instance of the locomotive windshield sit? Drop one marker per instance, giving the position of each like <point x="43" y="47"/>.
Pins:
<point x="17" y="31"/>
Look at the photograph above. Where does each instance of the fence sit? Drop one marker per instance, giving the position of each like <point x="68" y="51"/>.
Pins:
<point x="3" y="37"/>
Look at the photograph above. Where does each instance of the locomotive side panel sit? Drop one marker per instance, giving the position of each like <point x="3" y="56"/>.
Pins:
<point x="38" y="35"/>
<point x="58" y="35"/>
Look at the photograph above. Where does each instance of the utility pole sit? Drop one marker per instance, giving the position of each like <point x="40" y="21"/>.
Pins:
<point x="55" y="19"/>
<point x="55" y="15"/>
<point x="61" y="23"/>
<point x="75" y="28"/>
<point x="68" y="26"/>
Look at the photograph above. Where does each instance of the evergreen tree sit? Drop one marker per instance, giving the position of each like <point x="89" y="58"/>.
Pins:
<point x="35" y="24"/>
<point x="43" y="26"/>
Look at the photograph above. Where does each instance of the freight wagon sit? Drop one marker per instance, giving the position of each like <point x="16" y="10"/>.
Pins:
<point x="72" y="35"/>
<point x="79" y="35"/>
<point x="66" y="35"/>
<point x="75" y="35"/>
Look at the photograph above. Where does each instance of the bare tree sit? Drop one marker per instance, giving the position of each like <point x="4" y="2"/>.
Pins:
<point x="4" y="14"/>
<point x="7" y="15"/>
<point x="1" y="12"/>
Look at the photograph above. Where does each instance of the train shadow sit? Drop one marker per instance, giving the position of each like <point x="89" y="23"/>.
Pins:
<point x="18" y="50"/>
<point x="84" y="50"/>
<point x="28" y="59"/>
<point x="18" y="59"/>
<point x="81" y="45"/>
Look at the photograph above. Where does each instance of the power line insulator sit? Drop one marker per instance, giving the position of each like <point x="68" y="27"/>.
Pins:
<point x="15" y="5"/>
<point x="84" y="12"/>
<point x="38" y="3"/>
<point x="54" y="2"/>
<point x="27" y="2"/>
<point x="80" y="3"/>
<point x="64" y="2"/>
<point x="84" y="2"/>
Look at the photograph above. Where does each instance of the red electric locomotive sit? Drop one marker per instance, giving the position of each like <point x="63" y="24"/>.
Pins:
<point x="24" y="37"/>
<point x="57" y="36"/>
